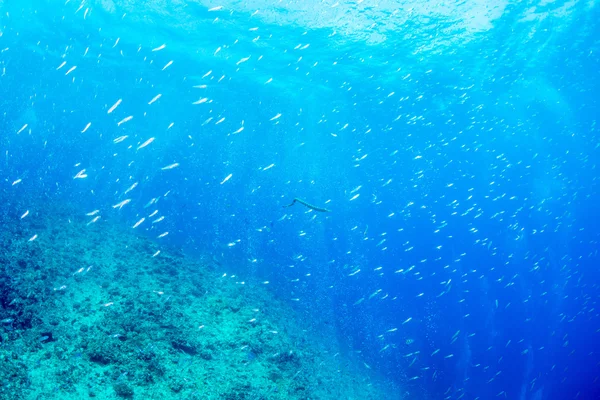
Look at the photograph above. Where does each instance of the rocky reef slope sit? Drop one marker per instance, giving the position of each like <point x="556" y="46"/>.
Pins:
<point x="98" y="312"/>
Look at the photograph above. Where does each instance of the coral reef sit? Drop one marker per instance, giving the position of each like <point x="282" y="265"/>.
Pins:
<point x="93" y="312"/>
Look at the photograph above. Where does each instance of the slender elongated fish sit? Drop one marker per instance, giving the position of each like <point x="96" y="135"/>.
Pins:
<point x="304" y="203"/>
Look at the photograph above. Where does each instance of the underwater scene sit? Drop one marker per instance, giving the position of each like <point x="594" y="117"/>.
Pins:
<point x="299" y="199"/>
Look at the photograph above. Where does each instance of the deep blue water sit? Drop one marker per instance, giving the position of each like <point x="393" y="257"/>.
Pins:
<point x="456" y="145"/>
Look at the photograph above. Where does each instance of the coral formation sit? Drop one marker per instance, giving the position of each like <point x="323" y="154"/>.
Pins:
<point x="90" y="312"/>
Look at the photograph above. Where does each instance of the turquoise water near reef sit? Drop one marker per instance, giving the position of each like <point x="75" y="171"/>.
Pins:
<point x="453" y="145"/>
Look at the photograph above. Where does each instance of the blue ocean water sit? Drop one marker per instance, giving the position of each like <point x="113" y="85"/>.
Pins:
<point x="455" y="145"/>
